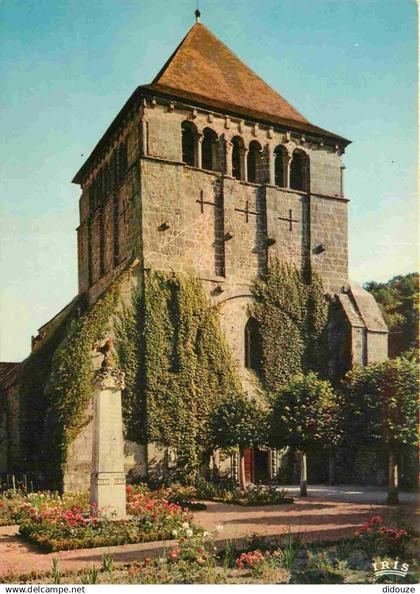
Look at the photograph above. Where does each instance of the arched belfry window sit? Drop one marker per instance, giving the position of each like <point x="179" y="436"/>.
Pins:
<point x="280" y="166"/>
<point x="252" y="345"/>
<point x="209" y="150"/>
<point x="299" y="171"/>
<point x="238" y="152"/>
<point x="254" y="159"/>
<point x="189" y="143"/>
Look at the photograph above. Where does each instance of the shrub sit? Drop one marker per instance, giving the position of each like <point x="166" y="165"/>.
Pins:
<point x="228" y="492"/>
<point x="377" y="538"/>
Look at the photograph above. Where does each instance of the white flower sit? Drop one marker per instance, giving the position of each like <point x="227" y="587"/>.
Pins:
<point x="205" y="534"/>
<point x="219" y="528"/>
<point x="174" y="532"/>
<point x="186" y="525"/>
<point x="189" y="533"/>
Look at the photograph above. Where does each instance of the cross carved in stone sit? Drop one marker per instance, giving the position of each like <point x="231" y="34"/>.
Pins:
<point x="247" y="211"/>
<point x="289" y="219"/>
<point x="202" y="202"/>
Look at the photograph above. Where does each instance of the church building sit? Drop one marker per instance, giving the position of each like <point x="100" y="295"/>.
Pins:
<point x="208" y="170"/>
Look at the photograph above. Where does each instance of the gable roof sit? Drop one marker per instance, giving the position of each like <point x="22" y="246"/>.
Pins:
<point x="203" y="65"/>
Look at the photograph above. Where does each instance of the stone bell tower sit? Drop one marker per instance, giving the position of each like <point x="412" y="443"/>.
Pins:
<point x="209" y="170"/>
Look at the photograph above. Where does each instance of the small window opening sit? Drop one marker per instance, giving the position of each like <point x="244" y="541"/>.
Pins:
<point x="254" y="161"/>
<point x="237" y="157"/>
<point x="280" y="164"/>
<point x="252" y="345"/>
<point x="189" y="141"/>
<point x="299" y="171"/>
<point x="209" y="150"/>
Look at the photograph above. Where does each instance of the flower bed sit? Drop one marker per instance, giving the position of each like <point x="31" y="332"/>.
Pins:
<point x="17" y="506"/>
<point x="58" y="529"/>
<point x="228" y="492"/>
<point x="178" y="494"/>
<point x="289" y="560"/>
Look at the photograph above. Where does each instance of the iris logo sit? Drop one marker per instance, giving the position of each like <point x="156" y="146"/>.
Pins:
<point x="382" y="568"/>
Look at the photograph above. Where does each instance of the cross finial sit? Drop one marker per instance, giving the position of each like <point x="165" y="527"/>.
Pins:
<point x="197" y="15"/>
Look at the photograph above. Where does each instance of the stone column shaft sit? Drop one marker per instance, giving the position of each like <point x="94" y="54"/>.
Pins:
<point x="107" y="486"/>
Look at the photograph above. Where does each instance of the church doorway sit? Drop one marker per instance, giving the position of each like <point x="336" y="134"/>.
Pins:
<point x="257" y="468"/>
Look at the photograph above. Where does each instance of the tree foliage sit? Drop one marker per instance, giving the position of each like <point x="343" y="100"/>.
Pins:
<point x="291" y="312"/>
<point x="305" y="414"/>
<point x="238" y="421"/>
<point x="381" y="404"/>
<point x="399" y="302"/>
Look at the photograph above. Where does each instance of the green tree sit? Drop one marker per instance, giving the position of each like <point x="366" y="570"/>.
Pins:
<point x="382" y="407"/>
<point x="238" y="422"/>
<point x="399" y="302"/>
<point x="305" y="414"/>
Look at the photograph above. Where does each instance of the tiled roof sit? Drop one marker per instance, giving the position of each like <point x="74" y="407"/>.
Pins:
<point x="204" y="66"/>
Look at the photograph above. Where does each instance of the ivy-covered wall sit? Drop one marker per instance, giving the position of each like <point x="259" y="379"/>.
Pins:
<point x="177" y="364"/>
<point x="292" y="314"/>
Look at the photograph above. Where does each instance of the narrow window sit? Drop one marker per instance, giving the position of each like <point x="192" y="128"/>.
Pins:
<point x="189" y="143"/>
<point x="237" y="157"/>
<point x="101" y="220"/>
<point x="252" y="345"/>
<point x="101" y="240"/>
<point x="209" y="150"/>
<point x="299" y="171"/>
<point x="114" y="170"/>
<point x="122" y="162"/>
<point x="116" y="227"/>
<point x="92" y="209"/>
<point x="280" y="164"/>
<point x="254" y="161"/>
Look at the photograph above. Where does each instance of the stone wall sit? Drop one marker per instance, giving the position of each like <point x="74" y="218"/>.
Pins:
<point x="328" y="233"/>
<point x="112" y="227"/>
<point x="161" y="189"/>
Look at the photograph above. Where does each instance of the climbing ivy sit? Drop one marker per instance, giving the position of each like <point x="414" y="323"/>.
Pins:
<point x="178" y="367"/>
<point x="291" y="312"/>
<point x="128" y="337"/>
<point x="70" y="384"/>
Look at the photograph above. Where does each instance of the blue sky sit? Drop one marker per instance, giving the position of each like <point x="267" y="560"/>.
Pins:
<point x="68" y="66"/>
